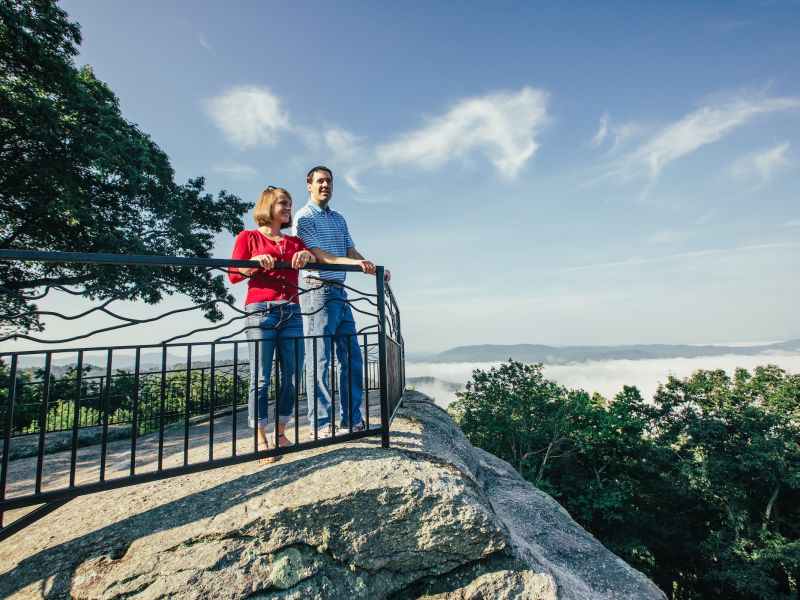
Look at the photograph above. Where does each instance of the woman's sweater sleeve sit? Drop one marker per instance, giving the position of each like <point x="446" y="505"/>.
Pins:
<point x="241" y="251"/>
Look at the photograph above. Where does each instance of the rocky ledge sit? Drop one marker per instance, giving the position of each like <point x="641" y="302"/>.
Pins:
<point x="431" y="517"/>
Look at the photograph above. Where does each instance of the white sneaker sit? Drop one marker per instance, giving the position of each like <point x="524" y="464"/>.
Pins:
<point x="323" y="432"/>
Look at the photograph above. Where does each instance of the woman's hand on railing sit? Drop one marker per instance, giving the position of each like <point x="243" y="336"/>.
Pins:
<point x="266" y="261"/>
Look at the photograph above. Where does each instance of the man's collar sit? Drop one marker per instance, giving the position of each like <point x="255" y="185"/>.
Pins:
<point x="316" y="207"/>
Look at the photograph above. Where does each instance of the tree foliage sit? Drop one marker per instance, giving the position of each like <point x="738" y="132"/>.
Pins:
<point x="121" y="397"/>
<point x="698" y="487"/>
<point x="76" y="176"/>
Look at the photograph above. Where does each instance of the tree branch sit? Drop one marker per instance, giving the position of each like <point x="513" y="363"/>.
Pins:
<point x="770" y="504"/>
<point x="544" y="462"/>
<point x="35" y="283"/>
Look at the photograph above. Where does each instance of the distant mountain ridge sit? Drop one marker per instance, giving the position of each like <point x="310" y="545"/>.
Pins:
<point x="531" y="353"/>
<point x="554" y="355"/>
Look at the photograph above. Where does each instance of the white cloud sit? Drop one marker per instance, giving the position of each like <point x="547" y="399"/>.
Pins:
<point x="248" y="116"/>
<point x="201" y="39"/>
<point x="606" y="377"/>
<point x="345" y="144"/>
<point x="602" y="131"/>
<point x="623" y="134"/>
<point x="704" y="217"/>
<point x="792" y="223"/>
<point x="705" y="254"/>
<point x="238" y="172"/>
<point x="348" y="153"/>
<point x="502" y="126"/>
<point x="619" y="135"/>
<point x="669" y="236"/>
<point x="761" y="166"/>
<point x="700" y="128"/>
<point x="731" y="25"/>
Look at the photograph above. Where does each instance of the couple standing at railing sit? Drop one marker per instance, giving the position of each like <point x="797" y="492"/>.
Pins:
<point x="274" y="312"/>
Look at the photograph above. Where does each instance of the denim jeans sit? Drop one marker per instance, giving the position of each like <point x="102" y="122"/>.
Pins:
<point x="329" y="315"/>
<point x="271" y="326"/>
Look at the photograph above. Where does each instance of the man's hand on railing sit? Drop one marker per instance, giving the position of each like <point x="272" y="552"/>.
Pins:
<point x="301" y="259"/>
<point x="367" y="266"/>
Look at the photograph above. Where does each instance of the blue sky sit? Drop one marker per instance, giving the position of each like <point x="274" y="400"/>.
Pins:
<point x="558" y="173"/>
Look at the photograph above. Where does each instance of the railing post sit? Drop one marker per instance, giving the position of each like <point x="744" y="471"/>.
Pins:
<point x="76" y="417"/>
<point x="105" y="403"/>
<point x="12" y="393"/>
<point x="48" y="361"/>
<point x="385" y="417"/>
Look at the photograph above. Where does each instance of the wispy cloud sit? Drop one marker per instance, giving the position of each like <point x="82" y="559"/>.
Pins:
<point x="730" y="25"/>
<point x="645" y="260"/>
<point x="348" y="152"/>
<point x="238" y="172"/>
<point x="618" y="135"/>
<point x="201" y="39"/>
<point x="760" y="167"/>
<point x="602" y="131"/>
<point x="708" y="124"/>
<point x="704" y="217"/>
<point x="502" y="126"/>
<point x="669" y="236"/>
<point x="248" y="116"/>
<point x="692" y="229"/>
<point x="792" y="223"/>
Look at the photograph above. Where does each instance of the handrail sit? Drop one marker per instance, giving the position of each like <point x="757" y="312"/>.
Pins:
<point x="154" y="260"/>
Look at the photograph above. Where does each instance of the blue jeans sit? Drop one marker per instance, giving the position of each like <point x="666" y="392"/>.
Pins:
<point x="329" y="315"/>
<point x="271" y="325"/>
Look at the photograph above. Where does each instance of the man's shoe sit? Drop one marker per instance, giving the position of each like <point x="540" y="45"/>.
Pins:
<point x="323" y="432"/>
<point x="360" y="427"/>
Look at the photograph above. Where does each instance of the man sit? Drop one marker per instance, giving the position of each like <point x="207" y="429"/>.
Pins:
<point x="325" y="234"/>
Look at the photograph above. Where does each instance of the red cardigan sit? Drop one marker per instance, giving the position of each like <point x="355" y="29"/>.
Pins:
<point x="262" y="285"/>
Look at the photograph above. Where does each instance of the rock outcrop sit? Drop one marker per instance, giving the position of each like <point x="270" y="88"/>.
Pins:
<point x="431" y="517"/>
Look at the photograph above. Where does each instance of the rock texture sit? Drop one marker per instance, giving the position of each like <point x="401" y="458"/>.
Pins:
<point x="431" y="517"/>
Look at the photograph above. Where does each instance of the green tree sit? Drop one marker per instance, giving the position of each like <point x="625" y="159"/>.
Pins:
<point x="698" y="488"/>
<point x="736" y="442"/>
<point x="515" y="413"/>
<point x="76" y="176"/>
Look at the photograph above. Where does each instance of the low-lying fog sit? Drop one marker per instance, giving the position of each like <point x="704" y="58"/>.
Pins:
<point x="605" y="376"/>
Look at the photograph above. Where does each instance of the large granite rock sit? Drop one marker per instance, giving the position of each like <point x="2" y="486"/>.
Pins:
<point x="431" y="517"/>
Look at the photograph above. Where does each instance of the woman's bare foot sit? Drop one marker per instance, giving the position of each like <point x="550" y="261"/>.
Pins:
<point x="263" y="444"/>
<point x="267" y="460"/>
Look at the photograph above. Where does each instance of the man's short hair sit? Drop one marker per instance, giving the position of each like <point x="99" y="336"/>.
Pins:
<point x="318" y="168"/>
<point x="262" y="214"/>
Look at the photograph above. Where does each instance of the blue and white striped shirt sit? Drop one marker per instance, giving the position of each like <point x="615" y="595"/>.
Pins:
<point x="325" y="229"/>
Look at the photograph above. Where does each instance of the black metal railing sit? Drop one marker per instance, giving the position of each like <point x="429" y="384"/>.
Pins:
<point x="61" y="405"/>
<point x="80" y="420"/>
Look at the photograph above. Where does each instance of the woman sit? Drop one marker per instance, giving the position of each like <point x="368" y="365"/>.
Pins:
<point x="273" y="311"/>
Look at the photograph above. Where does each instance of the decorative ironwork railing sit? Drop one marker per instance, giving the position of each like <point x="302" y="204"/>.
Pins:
<point x="76" y="420"/>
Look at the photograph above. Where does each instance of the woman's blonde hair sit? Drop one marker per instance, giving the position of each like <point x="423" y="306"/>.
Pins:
<point x="262" y="214"/>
